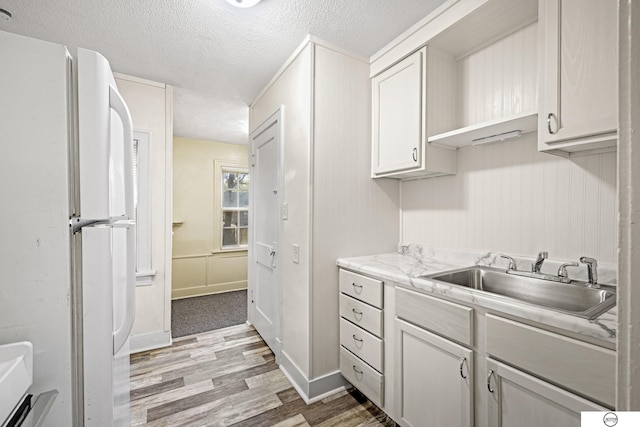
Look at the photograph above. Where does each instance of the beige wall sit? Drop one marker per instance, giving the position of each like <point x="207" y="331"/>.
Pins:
<point x="151" y="107"/>
<point x="200" y="267"/>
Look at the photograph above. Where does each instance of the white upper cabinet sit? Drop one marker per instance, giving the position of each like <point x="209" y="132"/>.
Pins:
<point x="464" y="75"/>
<point x="399" y="115"/>
<point x="400" y="123"/>
<point x="579" y="83"/>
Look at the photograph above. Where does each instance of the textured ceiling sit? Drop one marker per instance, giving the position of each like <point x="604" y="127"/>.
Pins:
<point x="218" y="57"/>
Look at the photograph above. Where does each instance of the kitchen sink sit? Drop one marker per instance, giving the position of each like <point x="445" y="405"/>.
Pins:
<point x="574" y="298"/>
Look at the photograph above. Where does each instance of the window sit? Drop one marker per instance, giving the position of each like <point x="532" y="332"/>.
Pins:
<point x="235" y="208"/>
<point x="142" y="205"/>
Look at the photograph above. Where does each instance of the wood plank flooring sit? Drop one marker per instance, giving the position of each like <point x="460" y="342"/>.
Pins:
<point x="228" y="377"/>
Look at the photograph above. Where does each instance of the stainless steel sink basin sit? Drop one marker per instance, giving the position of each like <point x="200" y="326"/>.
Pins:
<point x="574" y="298"/>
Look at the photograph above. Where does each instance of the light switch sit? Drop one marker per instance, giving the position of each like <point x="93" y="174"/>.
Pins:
<point x="285" y="210"/>
<point x="296" y="254"/>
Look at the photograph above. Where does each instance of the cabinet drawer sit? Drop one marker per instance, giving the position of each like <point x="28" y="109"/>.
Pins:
<point x="584" y="368"/>
<point x="361" y="287"/>
<point x="442" y="317"/>
<point x="363" y="344"/>
<point x="362" y="376"/>
<point x="361" y="314"/>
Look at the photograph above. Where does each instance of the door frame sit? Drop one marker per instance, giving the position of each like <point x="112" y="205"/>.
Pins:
<point x="276" y="119"/>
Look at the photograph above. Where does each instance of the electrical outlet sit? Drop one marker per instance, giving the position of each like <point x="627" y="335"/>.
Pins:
<point x="296" y="254"/>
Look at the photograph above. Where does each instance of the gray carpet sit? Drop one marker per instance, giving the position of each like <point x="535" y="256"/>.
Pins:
<point x="200" y="314"/>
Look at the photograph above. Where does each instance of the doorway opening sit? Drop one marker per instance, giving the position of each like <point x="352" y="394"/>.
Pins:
<point x="210" y="235"/>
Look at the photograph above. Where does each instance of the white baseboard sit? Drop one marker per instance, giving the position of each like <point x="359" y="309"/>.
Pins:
<point x="150" y="341"/>
<point x="311" y="390"/>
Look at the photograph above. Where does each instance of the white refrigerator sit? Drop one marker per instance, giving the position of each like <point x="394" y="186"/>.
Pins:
<point x="67" y="227"/>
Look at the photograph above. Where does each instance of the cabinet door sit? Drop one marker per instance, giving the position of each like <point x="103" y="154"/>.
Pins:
<point x="399" y="115"/>
<point x="517" y="399"/>
<point x="579" y="93"/>
<point x="434" y="379"/>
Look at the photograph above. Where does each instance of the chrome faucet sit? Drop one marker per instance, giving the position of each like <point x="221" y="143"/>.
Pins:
<point x="562" y="271"/>
<point x="592" y="271"/>
<point x="538" y="264"/>
<point x="512" y="262"/>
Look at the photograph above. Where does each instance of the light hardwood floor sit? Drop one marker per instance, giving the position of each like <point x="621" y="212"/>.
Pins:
<point x="229" y="377"/>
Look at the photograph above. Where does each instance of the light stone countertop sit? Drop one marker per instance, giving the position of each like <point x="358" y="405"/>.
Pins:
<point x="413" y="260"/>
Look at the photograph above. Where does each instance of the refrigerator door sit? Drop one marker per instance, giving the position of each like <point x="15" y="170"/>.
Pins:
<point x="106" y="372"/>
<point x="105" y="152"/>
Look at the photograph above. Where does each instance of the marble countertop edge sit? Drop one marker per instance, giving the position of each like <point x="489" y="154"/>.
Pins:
<point x="406" y="269"/>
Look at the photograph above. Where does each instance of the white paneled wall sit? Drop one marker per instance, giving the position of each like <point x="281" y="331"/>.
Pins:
<point x="509" y="197"/>
<point x="499" y="80"/>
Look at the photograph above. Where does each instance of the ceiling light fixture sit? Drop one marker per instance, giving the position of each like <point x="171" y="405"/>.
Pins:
<point x="243" y="3"/>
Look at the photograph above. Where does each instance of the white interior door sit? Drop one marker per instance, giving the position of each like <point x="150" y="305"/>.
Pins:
<point x="264" y="284"/>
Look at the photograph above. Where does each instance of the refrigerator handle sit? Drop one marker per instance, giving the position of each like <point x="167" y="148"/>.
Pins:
<point x="122" y="331"/>
<point x="120" y="107"/>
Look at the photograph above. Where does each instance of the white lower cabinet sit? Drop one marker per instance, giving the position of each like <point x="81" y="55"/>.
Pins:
<point x="426" y="361"/>
<point x="434" y="379"/>
<point x="361" y="334"/>
<point x="517" y="399"/>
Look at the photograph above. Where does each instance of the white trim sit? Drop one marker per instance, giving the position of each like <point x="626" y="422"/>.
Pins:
<point x="412" y="30"/>
<point x="628" y="354"/>
<point x="168" y="206"/>
<point x="310" y="200"/>
<point x="145" y="278"/>
<point x="276" y="119"/>
<point x="144" y="216"/>
<point x="140" y="80"/>
<point x="280" y="72"/>
<point x="309" y="39"/>
<point x="220" y="167"/>
<point x="150" y="341"/>
<point x="323" y="43"/>
<point x="312" y="390"/>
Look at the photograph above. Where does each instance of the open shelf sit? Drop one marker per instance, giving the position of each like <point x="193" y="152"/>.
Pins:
<point x="475" y="134"/>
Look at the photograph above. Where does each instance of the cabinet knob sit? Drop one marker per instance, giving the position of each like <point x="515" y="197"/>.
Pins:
<point x="415" y="154"/>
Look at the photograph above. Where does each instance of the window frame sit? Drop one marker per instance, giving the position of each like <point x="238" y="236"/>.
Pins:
<point x="220" y="168"/>
<point x="142" y="191"/>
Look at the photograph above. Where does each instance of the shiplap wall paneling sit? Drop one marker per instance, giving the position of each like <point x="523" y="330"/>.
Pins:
<point x="442" y="92"/>
<point x="291" y="88"/>
<point x="500" y="79"/>
<point x="509" y="197"/>
<point x="496" y="81"/>
<point x="347" y="204"/>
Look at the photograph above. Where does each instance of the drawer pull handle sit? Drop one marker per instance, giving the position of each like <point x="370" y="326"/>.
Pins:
<point x="358" y="288"/>
<point x="489" y="381"/>
<point x="357" y="371"/>
<point x="356" y="312"/>
<point x="549" y="116"/>
<point x="463" y="360"/>
<point x="355" y="338"/>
